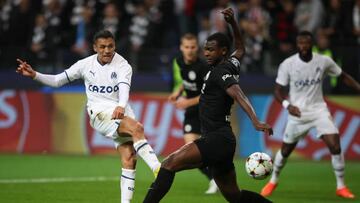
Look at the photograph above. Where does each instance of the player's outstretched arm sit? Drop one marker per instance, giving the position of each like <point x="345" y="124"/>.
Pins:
<point x="350" y="81"/>
<point x="238" y="95"/>
<point x="25" y="69"/>
<point x="239" y="44"/>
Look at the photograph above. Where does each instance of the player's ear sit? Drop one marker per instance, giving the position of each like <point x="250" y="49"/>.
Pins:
<point x="94" y="47"/>
<point x="224" y="51"/>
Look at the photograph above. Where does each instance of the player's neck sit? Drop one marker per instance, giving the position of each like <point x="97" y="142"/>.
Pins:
<point x="306" y="57"/>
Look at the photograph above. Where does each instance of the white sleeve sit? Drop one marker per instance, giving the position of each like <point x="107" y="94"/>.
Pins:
<point x="124" y="84"/>
<point x="52" y="80"/>
<point x="283" y="76"/>
<point x="75" y="71"/>
<point x="332" y="68"/>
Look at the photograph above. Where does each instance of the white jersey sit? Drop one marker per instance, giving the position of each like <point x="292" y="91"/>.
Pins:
<point x="305" y="81"/>
<point x="101" y="81"/>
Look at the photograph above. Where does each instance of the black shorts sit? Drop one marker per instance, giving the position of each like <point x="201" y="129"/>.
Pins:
<point x="217" y="149"/>
<point x="191" y="124"/>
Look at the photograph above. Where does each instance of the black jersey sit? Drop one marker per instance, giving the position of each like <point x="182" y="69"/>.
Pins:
<point x="192" y="79"/>
<point x="215" y="103"/>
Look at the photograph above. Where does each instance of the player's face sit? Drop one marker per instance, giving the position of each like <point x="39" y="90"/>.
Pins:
<point x="189" y="49"/>
<point x="304" y="45"/>
<point x="212" y="52"/>
<point x="105" y="48"/>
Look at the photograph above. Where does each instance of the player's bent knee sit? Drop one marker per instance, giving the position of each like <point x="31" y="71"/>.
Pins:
<point x="169" y="163"/>
<point x="128" y="160"/>
<point x="335" y="149"/>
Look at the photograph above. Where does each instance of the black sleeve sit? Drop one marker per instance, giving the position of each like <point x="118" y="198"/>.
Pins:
<point x="235" y="62"/>
<point x="223" y="77"/>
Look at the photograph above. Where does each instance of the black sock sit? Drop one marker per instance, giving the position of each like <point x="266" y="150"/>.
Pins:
<point x="252" y="197"/>
<point x="206" y="171"/>
<point x="160" y="187"/>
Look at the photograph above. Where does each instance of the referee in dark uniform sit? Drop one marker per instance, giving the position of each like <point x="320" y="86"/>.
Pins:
<point x="188" y="75"/>
<point x="216" y="147"/>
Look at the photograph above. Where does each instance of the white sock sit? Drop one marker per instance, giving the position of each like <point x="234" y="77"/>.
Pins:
<point x="146" y="152"/>
<point x="338" y="164"/>
<point x="127" y="185"/>
<point x="279" y="163"/>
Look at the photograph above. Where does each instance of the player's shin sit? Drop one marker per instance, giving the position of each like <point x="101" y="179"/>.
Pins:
<point x="249" y="196"/>
<point x="160" y="187"/>
<point x="146" y="152"/>
<point x="127" y="185"/>
<point x="338" y="164"/>
<point x="279" y="163"/>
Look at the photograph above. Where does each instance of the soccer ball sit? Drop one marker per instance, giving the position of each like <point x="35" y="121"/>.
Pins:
<point x="259" y="165"/>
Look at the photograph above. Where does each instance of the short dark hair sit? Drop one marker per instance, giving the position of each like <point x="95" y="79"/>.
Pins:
<point x="306" y="33"/>
<point x="221" y="39"/>
<point x="103" y="34"/>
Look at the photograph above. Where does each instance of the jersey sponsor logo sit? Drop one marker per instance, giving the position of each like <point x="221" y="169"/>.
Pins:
<point x="190" y="85"/>
<point x="307" y="82"/>
<point x="226" y="76"/>
<point x="103" y="89"/>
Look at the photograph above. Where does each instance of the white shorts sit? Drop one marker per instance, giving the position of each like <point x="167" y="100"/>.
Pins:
<point x="101" y="121"/>
<point x="297" y="128"/>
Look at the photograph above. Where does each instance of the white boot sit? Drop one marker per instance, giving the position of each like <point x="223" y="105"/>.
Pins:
<point x="213" y="188"/>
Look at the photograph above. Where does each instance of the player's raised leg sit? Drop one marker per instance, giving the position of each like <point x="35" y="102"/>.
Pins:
<point x="338" y="163"/>
<point x="127" y="178"/>
<point x="279" y="162"/>
<point x="129" y="126"/>
<point x="187" y="157"/>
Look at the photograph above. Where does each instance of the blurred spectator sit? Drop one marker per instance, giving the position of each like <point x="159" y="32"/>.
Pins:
<point x="332" y="23"/>
<point x="323" y="46"/>
<point x="216" y="19"/>
<point x="308" y="15"/>
<point x="204" y="30"/>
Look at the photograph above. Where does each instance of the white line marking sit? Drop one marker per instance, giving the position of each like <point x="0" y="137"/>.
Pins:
<point x="59" y="180"/>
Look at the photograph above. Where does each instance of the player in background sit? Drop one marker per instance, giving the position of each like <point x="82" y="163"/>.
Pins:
<point x="107" y="78"/>
<point x="189" y="73"/>
<point x="304" y="73"/>
<point x="216" y="147"/>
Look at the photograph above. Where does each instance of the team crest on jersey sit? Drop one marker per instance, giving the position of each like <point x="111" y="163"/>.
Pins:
<point x="192" y="75"/>
<point x="113" y="75"/>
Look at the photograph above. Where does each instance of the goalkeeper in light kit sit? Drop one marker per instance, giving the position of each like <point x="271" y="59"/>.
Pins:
<point x="107" y="78"/>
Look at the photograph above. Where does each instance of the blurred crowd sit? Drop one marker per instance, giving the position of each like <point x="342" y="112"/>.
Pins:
<point x="52" y="34"/>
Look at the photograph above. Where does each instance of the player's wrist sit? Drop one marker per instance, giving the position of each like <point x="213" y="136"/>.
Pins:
<point x="285" y="103"/>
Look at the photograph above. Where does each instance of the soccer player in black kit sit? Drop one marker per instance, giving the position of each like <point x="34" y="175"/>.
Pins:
<point x="189" y="71"/>
<point x="216" y="147"/>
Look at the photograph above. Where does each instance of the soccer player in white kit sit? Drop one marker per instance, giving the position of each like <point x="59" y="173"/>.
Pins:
<point x="304" y="73"/>
<point x="107" y="78"/>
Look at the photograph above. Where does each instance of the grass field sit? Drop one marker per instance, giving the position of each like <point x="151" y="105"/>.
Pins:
<point x="94" y="179"/>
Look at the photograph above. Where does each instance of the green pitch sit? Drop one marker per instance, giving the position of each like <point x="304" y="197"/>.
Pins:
<point x="94" y="179"/>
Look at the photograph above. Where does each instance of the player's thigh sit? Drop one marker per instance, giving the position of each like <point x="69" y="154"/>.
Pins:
<point x="187" y="157"/>
<point x="129" y="126"/>
<point x="296" y="130"/>
<point x="127" y="155"/>
<point x="189" y="137"/>
<point x="325" y="125"/>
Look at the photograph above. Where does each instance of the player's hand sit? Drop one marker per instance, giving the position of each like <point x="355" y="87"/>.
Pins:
<point x="182" y="103"/>
<point x="25" y="69"/>
<point x="119" y="113"/>
<point x="228" y="15"/>
<point x="172" y="98"/>
<point x="266" y="128"/>
<point x="293" y="110"/>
